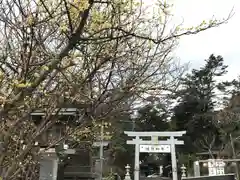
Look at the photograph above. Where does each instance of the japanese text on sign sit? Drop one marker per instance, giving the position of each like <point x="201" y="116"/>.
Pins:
<point x="155" y="148"/>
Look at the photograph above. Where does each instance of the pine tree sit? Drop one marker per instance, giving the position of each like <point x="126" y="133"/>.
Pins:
<point x="195" y="109"/>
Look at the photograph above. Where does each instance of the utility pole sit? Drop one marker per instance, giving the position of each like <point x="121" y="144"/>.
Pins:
<point x="101" y="151"/>
<point x="101" y="143"/>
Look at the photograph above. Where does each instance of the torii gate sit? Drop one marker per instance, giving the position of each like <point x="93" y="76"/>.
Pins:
<point x="155" y="146"/>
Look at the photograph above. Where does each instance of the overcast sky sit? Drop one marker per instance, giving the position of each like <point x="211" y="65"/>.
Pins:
<point x="223" y="40"/>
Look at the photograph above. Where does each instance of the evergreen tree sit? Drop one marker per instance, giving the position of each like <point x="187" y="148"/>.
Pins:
<point x="152" y="117"/>
<point x="195" y="109"/>
<point x="228" y="118"/>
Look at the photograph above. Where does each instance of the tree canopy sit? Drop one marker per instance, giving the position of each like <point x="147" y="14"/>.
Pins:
<point x="100" y="55"/>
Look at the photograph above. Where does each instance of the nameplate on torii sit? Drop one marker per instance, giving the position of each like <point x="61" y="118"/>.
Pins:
<point x="155" y="148"/>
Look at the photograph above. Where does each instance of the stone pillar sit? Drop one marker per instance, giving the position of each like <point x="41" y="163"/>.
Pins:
<point x="196" y="168"/>
<point x="136" y="168"/>
<point x="160" y="170"/>
<point x="174" y="159"/>
<point x="48" y="167"/>
<point x="97" y="168"/>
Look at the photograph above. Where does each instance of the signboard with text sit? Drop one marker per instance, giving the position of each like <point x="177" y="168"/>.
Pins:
<point x="216" y="167"/>
<point x="155" y="148"/>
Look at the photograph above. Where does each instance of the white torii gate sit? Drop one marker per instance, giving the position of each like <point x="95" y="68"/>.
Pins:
<point x="156" y="146"/>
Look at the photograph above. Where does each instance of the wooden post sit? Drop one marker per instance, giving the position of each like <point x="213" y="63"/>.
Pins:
<point x="234" y="156"/>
